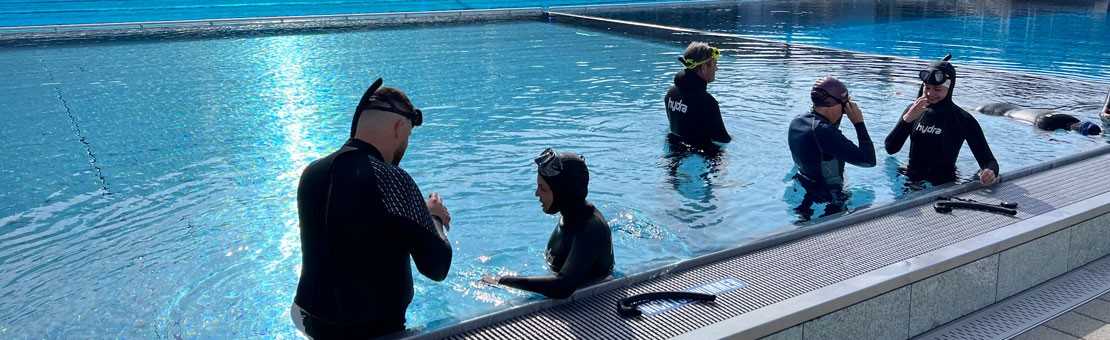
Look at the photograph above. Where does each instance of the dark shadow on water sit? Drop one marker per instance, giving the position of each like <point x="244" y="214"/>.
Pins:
<point x="851" y="199"/>
<point x="691" y="171"/>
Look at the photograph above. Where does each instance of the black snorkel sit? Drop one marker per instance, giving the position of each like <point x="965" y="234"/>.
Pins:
<point x="370" y="101"/>
<point x="363" y="103"/>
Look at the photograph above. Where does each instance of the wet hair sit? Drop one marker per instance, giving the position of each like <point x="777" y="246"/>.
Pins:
<point x="697" y="51"/>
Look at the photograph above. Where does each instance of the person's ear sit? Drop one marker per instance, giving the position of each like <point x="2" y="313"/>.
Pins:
<point x="397" y="125"/>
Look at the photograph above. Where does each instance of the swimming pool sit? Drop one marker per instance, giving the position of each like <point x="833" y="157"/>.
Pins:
<point x="41" y="12"/>
<point x="1067" y="38"/>
<point x="151" y="184"/>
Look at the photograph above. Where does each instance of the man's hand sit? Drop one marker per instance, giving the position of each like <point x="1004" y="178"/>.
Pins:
<point x="854" y="113"/>
<point x="436" y="207"/>
<point x="987" y="177"/>
<point x="915" y="110"/>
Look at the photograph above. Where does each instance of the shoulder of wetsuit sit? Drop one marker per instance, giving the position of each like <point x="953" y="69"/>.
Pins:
<point x="400" y="195"/>
<point x="960" y="112"/>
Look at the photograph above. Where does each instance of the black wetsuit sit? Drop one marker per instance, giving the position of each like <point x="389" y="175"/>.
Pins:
<point x="820" y="150"/>
<point x="361" y="220"/>
<point x="580" y="252"/>
<point x="937" y="136"/>
<point x="1052" y="121"/>
<point x="693" y="113"/>
<point x="1043" y="119"/>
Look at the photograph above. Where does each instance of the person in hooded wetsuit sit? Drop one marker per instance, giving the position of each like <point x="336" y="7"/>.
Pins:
<point x="937" y="129"/>
<point x="361" y="218"/>
<point x="694" y="115"/>
<point x="1043" y="119"/>
<point x="1105" y="115"/>
<point x="580" y="250"/>
<point x="820" y="150"/>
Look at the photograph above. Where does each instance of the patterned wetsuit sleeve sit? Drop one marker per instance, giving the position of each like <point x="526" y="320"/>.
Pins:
<point x="717" y="123"/>
<point x="587" y="247"/>
<point x="836" y="144"/>
<point x="431" y="251"/>
<point x="978" y="143"/>
<point x="898" y="136"/>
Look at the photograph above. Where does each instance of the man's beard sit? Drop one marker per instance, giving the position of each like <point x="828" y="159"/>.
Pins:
<point x="399" y="153"/>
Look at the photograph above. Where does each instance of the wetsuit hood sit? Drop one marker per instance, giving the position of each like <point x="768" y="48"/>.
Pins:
<point x="570" y="186"/>
<point x="950" y="72"/>
<point x="689" y="80"/>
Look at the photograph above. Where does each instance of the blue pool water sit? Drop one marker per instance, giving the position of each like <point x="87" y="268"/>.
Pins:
<point x="150" y="185"/>
<point x="1062" y="38"/>
<point x="54" y="12"/>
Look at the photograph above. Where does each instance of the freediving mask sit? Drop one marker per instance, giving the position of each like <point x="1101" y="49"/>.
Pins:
<point x="549" y="163"/>
<point x="935" y="76"/>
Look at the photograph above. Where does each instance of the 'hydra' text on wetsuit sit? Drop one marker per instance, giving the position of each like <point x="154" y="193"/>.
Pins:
<point x="935" y="141"/>
<point x="693" y="113"/>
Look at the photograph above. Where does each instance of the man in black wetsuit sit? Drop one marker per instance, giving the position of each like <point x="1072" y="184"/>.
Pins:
<point x="694" y="115"/>
<point x="1043" y="119"/>
<point x="362" y="217"/>
<point x="580" y="250"/>
<point x="937" y="129"/>
<point x="820" y="150"/>
<point x="1105" y="115"/>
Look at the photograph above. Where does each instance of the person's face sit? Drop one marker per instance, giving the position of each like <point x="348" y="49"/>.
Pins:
<point x="935" y="93"/>
<point x="402" y="132"/>
<point x="547" y="198"/>
<point x="708" y="71"/>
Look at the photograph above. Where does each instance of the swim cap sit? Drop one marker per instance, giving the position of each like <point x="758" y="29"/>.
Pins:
<point x="828" y="92"/>
<point x="1088" y="128"/>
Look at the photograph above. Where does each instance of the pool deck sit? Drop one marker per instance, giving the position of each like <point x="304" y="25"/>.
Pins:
<point x="1089" y="321"/>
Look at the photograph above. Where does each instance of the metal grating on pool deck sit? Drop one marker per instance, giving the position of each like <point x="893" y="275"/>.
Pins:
<point x="1024" y="311"/>
<point x="782" y="272"/>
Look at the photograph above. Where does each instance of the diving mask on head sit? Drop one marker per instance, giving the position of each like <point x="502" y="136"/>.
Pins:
<point x="690" y="64"/>
<point x="935" y="76"/>
<point x="371" y="102"/>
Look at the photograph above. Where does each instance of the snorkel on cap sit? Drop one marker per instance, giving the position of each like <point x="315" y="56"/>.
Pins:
<point x="370" y="101"/>
<point x="939" y="73"/>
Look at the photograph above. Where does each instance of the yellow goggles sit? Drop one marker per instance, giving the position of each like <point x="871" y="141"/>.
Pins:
<point x="714" y="54"/>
